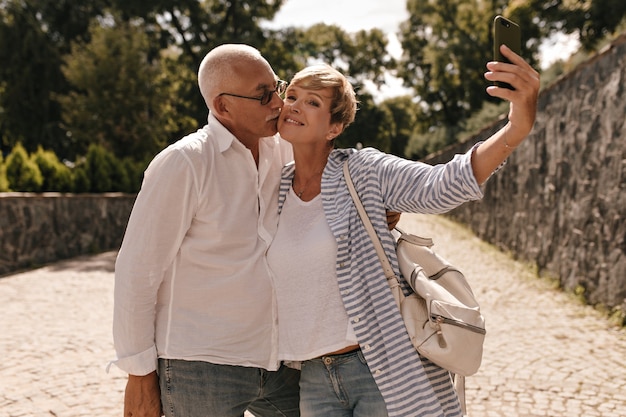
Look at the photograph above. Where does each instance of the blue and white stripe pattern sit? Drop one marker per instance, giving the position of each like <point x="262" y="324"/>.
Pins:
<point x="411" y="385"/>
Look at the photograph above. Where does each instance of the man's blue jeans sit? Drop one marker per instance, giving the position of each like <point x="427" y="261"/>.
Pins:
<point x="202" y="389"/>
<point x="339" y="386"/>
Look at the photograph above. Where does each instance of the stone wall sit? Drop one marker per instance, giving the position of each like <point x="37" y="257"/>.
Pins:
<point x="36" y="229"/>
<point x="560" y="202"/>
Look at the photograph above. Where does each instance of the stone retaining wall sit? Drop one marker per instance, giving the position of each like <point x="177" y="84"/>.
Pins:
<point x="560" y="202"/>
<point x="36" y="229"/>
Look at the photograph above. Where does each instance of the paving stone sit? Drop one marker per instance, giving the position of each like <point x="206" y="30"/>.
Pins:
<point x="545" y="354"/>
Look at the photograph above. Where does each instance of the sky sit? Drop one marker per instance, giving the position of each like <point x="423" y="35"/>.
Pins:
<point x="351" y="15"/>
<point x="354" y="15"/>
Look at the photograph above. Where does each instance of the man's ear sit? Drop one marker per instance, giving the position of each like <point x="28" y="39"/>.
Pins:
<point x="220" y="107"/>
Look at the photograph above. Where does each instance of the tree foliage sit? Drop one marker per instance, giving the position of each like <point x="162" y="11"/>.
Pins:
<point x="122" y="73"/>
<point x="34" y="35"/>
<point x="373" y="126"/>
<point x="407" y="118"/>
<point x="198" y="26"/>
<point x="56" y="175"/>
<point x="362" y="55"/>
<point x="29" y="73"/>
<point x="120" y="98"/>
<point x="591" y="20"/>
<point x="22" y="171"/>
<point x="4" y="182"/>
<point x="446" y="45"/>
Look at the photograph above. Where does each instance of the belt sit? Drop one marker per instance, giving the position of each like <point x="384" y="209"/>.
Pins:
<point x="344" y="351"/>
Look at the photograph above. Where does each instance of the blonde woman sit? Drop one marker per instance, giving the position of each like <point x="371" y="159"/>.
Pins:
<point x="337" y="316"/>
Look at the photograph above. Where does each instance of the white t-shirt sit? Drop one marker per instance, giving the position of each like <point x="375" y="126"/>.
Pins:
<point x="302" y="257"/>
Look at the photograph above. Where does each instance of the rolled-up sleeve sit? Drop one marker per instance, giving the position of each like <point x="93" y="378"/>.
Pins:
<point x="416" y="187"/>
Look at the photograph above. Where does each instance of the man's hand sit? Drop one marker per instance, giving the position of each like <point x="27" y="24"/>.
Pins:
<point x="142" y="397"/>
<point x="392" y="219"/>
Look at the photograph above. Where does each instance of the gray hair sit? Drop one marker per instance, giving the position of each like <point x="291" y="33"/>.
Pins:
<point x="219" y="68"/>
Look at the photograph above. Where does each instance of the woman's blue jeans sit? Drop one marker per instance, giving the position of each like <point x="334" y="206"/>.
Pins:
<point x="339" y="386"/>
<point x="202" y="389"/>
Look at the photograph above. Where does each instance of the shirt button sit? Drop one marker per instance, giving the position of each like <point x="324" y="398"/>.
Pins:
<point x="378" y="372"/>
<point x="367" y="347"/>
<point x="341" y="265"/>
<point x="356" y="320"/>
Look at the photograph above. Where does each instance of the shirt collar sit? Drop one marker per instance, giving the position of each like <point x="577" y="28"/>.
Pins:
<point x="222" y="135"/>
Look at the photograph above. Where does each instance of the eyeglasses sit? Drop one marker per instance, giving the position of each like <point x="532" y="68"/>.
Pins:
<point x="281" y="86"/>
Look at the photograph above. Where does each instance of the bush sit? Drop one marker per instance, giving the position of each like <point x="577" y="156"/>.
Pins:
<point x="22" y="172"/>
<point x="80" y="178"/>
<point x="105" y="172"/>
<point x="134" y="171"/>
<point x="56" y="175"/>
<point x="4" y="182"/>
<point x="97" y="172"/>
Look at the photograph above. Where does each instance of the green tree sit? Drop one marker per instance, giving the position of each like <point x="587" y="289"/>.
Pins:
<point x="446" y="45"/>
<point x="34" y="34"/>
<point x="196" y="26"/>
<point x="373" y="126"/>
<point x="22" y="172"/>
<point x="121" y="99"/>
<point x="101" y="172"/>
<point x="29" y="72"/>
<point x="591" y="20"/>
<point x="423" y="143"/>
<point x="405" y="114"/>
<point x="176" y="35"/>
<point x="361" y="56"/>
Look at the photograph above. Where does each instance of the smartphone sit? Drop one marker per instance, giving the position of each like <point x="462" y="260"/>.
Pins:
<point x="508" y="33"/>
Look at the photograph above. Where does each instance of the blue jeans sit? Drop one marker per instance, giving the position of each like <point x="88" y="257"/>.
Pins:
<point x="339" y="386"/>
<point x="202" y="389"/>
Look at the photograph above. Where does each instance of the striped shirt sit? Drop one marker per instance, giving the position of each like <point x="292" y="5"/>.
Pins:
<point x="410" y="385"/>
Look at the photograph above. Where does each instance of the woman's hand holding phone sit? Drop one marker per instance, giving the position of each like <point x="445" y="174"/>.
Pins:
<point x="505" y="32"/>
<point x="514" y="80"/>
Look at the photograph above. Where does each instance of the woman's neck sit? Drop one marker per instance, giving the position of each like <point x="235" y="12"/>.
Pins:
<point x="307" y="179"/>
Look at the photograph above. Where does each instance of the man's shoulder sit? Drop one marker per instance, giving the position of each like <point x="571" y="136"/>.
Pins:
<point x="193" y="148"/>
<point x="201" y="141"/>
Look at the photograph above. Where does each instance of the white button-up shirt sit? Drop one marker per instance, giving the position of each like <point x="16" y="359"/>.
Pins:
<point x="191" y="279"/>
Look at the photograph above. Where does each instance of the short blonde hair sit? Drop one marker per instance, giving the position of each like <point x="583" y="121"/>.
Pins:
<point x="344" y="103"/>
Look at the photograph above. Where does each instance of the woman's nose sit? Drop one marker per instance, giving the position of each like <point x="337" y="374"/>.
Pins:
<point x="294" y="107"/>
